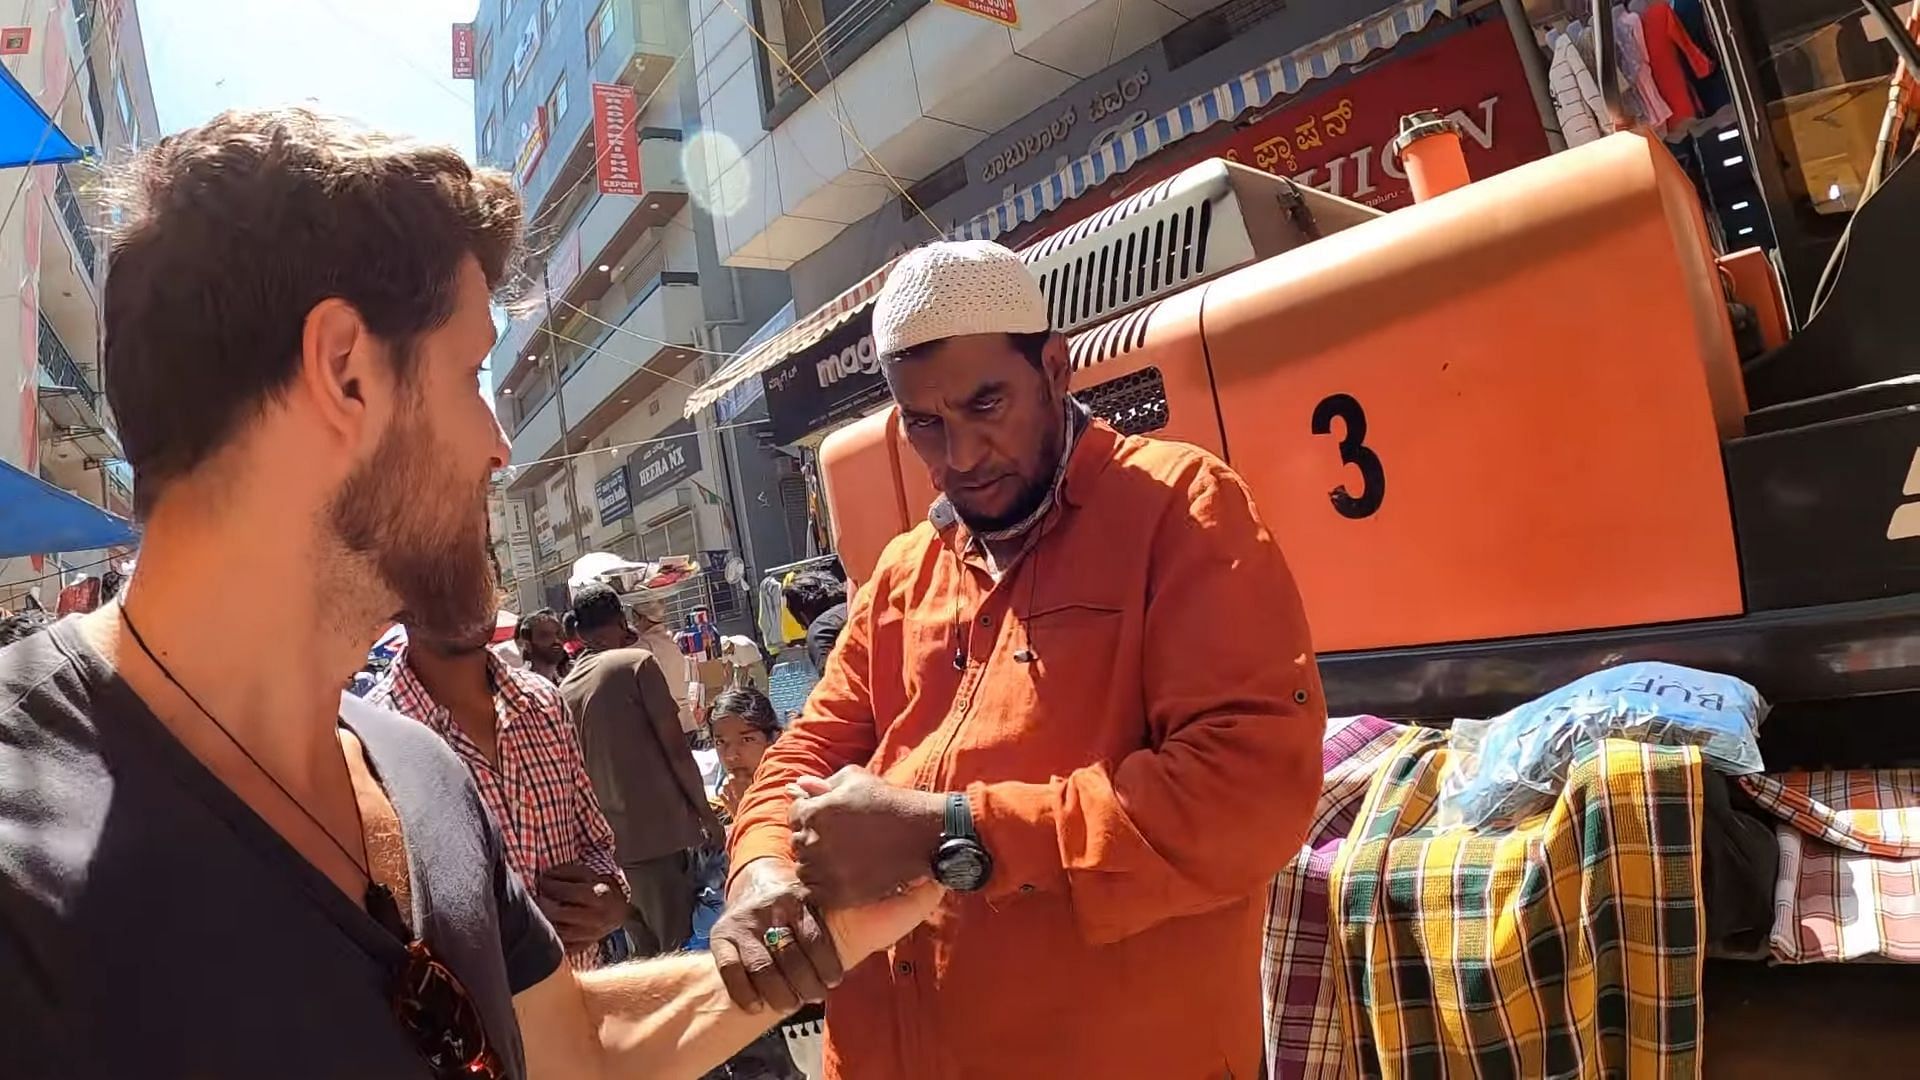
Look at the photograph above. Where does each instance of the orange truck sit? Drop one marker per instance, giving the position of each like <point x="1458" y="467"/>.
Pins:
<point x="1505" y="436"/>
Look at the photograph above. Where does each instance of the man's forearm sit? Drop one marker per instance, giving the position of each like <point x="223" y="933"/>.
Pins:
<point x="667" y="1017"/>
<point x="672" y="1016"/>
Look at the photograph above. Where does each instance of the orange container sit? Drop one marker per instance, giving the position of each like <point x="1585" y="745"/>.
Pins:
<point x="1428" y="149"/>
<point x="1490" y="415"/>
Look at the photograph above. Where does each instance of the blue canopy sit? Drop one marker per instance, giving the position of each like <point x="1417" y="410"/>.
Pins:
<point x="27" y="135"/>
<point x="37" y="518"/>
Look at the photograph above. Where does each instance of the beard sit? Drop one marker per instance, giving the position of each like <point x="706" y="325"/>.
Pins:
<point x="420" y="534"/>
<point x="1034" y="490"/>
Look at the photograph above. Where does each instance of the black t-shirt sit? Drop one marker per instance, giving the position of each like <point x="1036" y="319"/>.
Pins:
<point x="151" y="924"/>
<point x="823" y="633"/>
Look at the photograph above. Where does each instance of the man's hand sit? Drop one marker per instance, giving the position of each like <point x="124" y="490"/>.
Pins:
<point x="582" y="906"/>
<point x="734" y="790"/>
<point x="860" y="839"/>
<point x="714" y="833"/>
<point x="766" y="894"/>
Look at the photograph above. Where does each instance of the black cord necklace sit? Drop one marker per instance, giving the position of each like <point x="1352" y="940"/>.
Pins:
<point x="378" y="899"/>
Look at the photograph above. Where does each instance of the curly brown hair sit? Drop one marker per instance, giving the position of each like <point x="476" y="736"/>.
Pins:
<point x="231" y="232"/>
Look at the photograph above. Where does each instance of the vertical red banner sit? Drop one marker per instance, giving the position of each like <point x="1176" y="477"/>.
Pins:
<point x="615" y="142"/>
<point x="463" y="50"/>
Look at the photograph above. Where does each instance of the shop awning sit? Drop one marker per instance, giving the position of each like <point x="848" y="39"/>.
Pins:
<point x="801" y="335"/>
<point x="27" y="135"/>
<point x="37" y="518"/>
<point x="1254" y="90"/>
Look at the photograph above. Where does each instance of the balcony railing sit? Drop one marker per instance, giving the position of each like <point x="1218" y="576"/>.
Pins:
<point x="77" y="227"/>
<point x="60" y="365"/>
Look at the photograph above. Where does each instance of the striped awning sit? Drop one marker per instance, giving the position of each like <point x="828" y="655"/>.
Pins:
<point x="1253" y="90"/>
<point x="806" y="333"/>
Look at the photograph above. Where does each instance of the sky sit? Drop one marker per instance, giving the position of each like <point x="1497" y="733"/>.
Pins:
<point x="383" y="62"/>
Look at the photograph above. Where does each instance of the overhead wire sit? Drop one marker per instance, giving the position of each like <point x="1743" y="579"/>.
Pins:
<point x="839" y="121"/>
<point x="515" y="470"/>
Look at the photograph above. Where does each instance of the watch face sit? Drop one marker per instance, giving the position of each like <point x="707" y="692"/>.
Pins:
<point x="962" y="865"/>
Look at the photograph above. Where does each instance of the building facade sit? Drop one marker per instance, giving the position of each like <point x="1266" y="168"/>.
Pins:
<point x="592" y="104"/>
<point x="84" y="62"/>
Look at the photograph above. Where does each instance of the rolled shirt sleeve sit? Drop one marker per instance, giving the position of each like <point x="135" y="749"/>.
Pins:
<point x="1221" y="798"/>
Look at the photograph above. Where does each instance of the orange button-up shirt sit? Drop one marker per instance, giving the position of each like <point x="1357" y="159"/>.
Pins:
<point x="1137" y="784"/>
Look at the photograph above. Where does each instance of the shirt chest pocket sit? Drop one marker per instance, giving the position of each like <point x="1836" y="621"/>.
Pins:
<point x="1066" y="678"/>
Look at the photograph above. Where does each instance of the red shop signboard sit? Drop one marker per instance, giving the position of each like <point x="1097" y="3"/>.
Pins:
<point x="1337" y="140"/>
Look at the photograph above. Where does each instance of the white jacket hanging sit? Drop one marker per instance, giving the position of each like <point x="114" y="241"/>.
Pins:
<point x="1576" y="97"/>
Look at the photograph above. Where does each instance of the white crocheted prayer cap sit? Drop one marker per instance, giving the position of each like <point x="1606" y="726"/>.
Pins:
<point x="952" y="288"/>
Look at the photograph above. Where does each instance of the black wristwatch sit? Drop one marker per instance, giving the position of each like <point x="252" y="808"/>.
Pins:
<point x="960" y="862"/>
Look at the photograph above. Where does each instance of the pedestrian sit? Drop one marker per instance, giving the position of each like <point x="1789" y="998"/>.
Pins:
<point x="218" y="863"/>
<point x="649" y="614"/>
<point x="642" y="768"/>
<point x="818" y="601"/>
<point x="512" y="730"/>
<point x="1080" y="695"/>
<point x="542" y="644"/>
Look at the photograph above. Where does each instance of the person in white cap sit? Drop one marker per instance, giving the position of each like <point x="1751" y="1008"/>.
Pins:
<point x="1081" y="696"/>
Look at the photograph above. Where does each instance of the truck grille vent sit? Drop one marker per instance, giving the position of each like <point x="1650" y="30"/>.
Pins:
<point x="1151" y="255"/>
<point x="1134" y="403"/>
<point x="1117" y="338"/>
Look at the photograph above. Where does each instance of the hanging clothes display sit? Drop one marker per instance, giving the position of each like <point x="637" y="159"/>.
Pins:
<point x="80" y="596"/>
<point x="1711" y="88"/>
<point x="1672" y="53"/>
<point x="1305" y="1040"/>
<point x="1570" y="945"/>
<point x="1576" y="97"/>
<point x="1630" y="47"/>
<point x="1848" y="886"/>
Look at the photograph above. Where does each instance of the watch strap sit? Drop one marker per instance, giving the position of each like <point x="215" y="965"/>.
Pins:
<point x="959" y="817"/>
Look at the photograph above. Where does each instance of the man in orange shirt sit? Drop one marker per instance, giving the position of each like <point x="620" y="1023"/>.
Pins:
<point x="1081" y="695"/>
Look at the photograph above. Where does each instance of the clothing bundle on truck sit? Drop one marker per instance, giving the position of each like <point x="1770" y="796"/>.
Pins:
<point x="1537" y="894"/>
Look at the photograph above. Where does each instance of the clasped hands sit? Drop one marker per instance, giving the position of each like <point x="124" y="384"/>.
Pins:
<point x="863" y="853"/>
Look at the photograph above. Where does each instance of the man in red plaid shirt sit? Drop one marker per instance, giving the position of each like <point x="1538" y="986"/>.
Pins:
<point x="512" y="729"/>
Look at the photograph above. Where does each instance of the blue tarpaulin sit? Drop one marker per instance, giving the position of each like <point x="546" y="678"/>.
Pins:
<point x="27" y="136"/>
<point x="37" y="518"/>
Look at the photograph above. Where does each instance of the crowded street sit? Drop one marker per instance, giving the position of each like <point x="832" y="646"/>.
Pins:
<point x="959" y="539"/>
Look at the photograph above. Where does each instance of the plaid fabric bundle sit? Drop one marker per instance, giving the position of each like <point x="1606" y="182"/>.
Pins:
<point x="1570" y="946"/>
<point x="1304" y="1036"/>
<point x="1849" y="885"/>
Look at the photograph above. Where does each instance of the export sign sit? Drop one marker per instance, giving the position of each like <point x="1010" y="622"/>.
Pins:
<point x="1003" y="12"/>
<point x="463" y="50"/>
<point x="839" y="377"/>
<point x="1337" y="141"/>
<point x="615" y="142"/>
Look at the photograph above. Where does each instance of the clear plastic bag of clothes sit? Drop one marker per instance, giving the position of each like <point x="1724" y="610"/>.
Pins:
<point x="1514" y="765"/>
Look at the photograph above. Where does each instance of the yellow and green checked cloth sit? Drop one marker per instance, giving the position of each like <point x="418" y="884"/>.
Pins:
<point x="1569" y="946"/>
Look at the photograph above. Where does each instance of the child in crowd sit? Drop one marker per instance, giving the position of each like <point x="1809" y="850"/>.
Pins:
<point x="742" y="724"/>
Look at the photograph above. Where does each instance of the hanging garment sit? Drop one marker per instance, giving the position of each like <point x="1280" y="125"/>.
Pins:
<point x="1304" y="1038"/>
<point x="1672" y="53"/>
<point x="1571" y="945"/>
<point x="1576" y="97"/>
<point x="1629" y="97"/>
<point x="1630" y="46"/>
<point x="1711" y="89"/>
<point x="1849" y="878"/>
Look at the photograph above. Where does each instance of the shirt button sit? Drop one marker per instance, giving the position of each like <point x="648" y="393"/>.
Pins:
<point x="904" y="968"/>
<point x="1026" y="888"/>
<point x="986" y="620"/>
